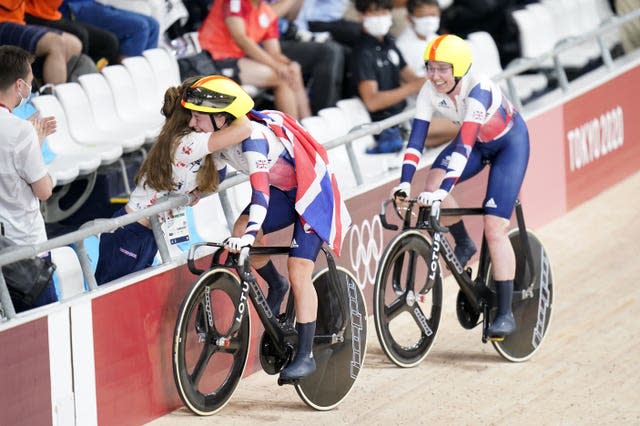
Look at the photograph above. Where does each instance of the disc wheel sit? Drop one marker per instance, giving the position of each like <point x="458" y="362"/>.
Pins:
<point x="406" y="322"/>
<point x="532" y="304"/>
<point x="207" y="367"/>
<point x="338" y="362"/>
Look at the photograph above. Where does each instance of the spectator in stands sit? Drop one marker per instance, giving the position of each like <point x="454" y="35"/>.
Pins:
<point x="382" y="77"/>
<point x="242" y="38"/>
<point x="464" y="17"/>
<point x="55" y="48"/>
<point x="424" y="22"/>
<point x="96" y="42"/>
<point x="136" y="32"/>
<point x="329" y="16"/>
<point x="629" y="32"/>
<point x="24" y="179"/>
<point x="322" y="62"/>
<point x="178" y="163"/>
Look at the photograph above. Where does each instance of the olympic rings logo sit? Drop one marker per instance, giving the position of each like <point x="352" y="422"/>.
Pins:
<point x="366" y="244"/>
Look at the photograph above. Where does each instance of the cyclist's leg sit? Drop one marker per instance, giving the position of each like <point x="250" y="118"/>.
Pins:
<point x="505" y="180"/>
<point x="280" y="214"/>
<point x="304" y="251"/>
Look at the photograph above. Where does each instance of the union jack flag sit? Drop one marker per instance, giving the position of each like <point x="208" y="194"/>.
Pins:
<point x="318" y="200"/>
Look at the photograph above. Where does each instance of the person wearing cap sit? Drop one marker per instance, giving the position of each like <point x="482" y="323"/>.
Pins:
<point x="291" y="184"/>
<point x="492" y="132"/>
<point x="178" y="163"/>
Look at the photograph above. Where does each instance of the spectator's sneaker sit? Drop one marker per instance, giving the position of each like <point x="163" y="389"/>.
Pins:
<point x="465" y="251"/>
<point x="300" y="367"/>
<point x="386" y="147"/>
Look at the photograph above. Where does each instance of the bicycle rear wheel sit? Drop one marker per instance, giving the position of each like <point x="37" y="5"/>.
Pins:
<point x="206" y="370"/>
<point x="532" y="304"/>
<point x="406" y="322"/>
<point x="338" y="362"/>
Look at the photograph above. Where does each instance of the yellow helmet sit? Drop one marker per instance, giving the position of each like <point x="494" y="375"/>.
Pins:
<point x="216" y="93"/>
<point x="451" y="49"/>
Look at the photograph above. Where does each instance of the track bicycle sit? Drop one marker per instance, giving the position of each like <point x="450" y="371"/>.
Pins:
<point x="408" y="286"/>
<point x="212" y="332"/>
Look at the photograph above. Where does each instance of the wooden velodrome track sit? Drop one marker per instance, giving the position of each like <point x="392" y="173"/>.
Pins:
<point x="586" y="371"/>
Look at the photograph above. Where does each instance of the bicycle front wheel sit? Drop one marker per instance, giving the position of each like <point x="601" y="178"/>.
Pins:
<point x="206" y="365"/>
<point x="532" y="301"/>
<point x="338" y="359"/>
<point x="406" y="320"/>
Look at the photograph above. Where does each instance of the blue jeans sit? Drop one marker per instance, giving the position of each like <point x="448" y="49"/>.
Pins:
<point x="389" y="140"/>
<point x="135" y="31"/>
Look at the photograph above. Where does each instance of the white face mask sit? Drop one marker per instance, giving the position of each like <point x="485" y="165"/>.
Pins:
<point x="426" y="25"/>
<point x="377" y="26"/>
<point x="24" y="100"/>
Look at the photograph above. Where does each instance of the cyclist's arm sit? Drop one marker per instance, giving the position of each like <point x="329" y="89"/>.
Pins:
<point x="237" y="131"/>
<point x="255" y="152"/>
<point x="418" y="136"/>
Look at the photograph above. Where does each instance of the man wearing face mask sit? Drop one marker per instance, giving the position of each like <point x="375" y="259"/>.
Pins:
<point x="24" y="179"/>
<point x="381" y="76"/>
<point x="424" y="22"/>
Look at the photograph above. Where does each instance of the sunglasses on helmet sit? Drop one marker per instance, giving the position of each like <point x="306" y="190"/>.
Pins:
<point x="207" y="98"/>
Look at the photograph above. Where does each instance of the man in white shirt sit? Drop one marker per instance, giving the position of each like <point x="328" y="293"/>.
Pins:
<point x="24" y="179"/>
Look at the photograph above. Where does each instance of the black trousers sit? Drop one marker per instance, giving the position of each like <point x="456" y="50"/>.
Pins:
<point x="323" y="69"/>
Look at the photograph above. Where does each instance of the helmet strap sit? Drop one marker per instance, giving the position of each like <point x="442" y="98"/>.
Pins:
<point x="457" y="80"/>
<point x="213" y="121"/>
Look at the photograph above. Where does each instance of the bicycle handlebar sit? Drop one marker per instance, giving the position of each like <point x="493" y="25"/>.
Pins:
<point x="434" y="214"/>
<point x="235" y="259"/>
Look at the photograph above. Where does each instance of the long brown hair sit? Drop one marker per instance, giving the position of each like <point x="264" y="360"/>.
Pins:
<point x="157" y="167"/>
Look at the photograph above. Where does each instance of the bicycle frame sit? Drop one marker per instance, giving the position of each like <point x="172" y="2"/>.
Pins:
<point x="476" y="291"/>
<point x="283" y="334"/>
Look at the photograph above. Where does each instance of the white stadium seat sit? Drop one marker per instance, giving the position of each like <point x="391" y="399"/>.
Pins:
<point x="86" y="157"/>
<point x="126" y="99"/>
<point x="83" y="125"/>
<point x="104" y="108"/>
<point x="68" y="275"/>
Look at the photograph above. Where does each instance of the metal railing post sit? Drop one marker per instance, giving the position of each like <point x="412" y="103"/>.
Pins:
<point x="5" y="299"/>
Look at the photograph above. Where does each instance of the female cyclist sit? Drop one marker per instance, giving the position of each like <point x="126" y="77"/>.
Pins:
<point x="178" y="163"/>
<point x="291" y="184"/>
<point x="491" y="132"/>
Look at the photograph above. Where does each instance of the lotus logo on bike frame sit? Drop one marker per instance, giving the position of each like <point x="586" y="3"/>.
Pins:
<point x="434" y="256"/>
<point x="544" y="302"/>
<point x="242" y="304"/>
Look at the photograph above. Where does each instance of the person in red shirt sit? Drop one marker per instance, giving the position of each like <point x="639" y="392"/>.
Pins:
<point x="242" y="38"/>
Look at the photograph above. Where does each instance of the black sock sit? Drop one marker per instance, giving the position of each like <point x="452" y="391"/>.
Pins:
<point x="459" y="232"/>
<point x="278" y="285"/>
<point x="306" y="331"/>
<point x="504" y="291"/>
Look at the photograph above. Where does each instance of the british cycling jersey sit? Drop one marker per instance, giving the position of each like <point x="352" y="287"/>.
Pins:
<point x="281" y="154"/>
<point x="491" y="132"/>
<point x="484" y="115"/>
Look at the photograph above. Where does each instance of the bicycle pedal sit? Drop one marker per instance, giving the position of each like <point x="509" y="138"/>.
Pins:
<point x="285" y="381"/>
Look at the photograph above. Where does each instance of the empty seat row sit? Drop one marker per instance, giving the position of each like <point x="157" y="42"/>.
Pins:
<point x="107" y="114"/>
